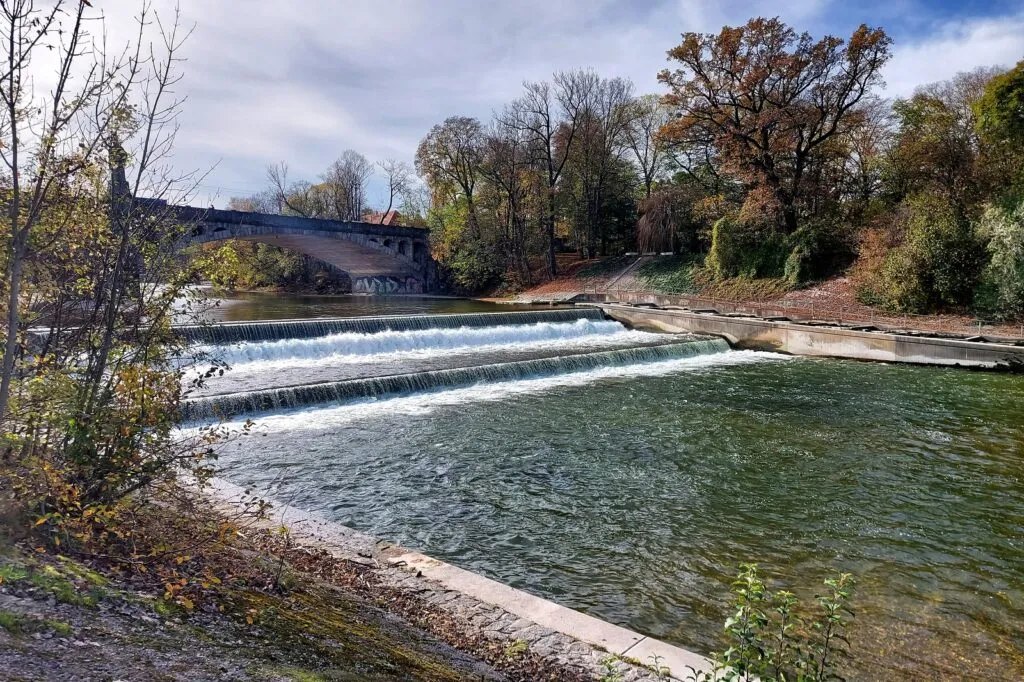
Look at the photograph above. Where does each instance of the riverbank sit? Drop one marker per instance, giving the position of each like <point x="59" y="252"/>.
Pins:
<point x="289" y="597"/>
<point x="819" y="339"/>
<point x="506" y="618"/>
<point x="833" y="299"/>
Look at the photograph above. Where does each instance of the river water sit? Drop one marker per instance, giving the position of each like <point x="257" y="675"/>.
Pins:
<point x="626" y="474"/>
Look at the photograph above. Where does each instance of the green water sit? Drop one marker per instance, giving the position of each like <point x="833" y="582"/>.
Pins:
<point x="635" y="498"/>
<point x="246" y="306"/>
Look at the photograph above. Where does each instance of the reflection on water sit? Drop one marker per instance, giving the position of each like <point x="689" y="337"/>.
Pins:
<point x="245" y="306"/>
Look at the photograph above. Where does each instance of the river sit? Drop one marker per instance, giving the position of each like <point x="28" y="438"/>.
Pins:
<point x="627" y="474"/>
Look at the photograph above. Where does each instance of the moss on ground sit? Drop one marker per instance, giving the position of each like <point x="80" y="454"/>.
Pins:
<point x="333" y="636"/>
<point x="68" y="581"/>
<point x="16" y="623"/>
<point x="305" y="630"/>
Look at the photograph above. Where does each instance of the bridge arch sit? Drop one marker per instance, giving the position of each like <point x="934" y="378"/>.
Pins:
<point x="380" y="259"/>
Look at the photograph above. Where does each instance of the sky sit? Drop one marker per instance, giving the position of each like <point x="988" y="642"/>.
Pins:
<point x="268" y="81"/>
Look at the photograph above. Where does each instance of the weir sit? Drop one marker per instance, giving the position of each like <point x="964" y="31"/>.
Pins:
<point x="437" y="340"/>
<point x="255" y="402"/>
<point x="237" y="332"/>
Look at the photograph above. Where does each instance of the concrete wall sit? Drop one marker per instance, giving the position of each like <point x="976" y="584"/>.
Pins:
<point x="836" y="342"/>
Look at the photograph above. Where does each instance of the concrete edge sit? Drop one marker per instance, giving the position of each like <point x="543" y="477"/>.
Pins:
<point x="599" y="637"/>
<point x="986" y="349"/>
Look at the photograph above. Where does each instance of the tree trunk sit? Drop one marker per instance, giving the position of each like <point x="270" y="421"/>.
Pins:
<point x="552" y="263"/>
<point x="790" y="217"/>
<point x="13" y="322"/>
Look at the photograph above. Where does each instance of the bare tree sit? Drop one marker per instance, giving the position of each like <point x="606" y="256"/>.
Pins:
<point x="399" y="175"/>
<point x="344" y="186"/>
<point x="296" y="198"/>
<point x="506" y="160"/>
<point x="154" y="126"/>
<point x="261" y="202"/>
<point x="548" y="113"/>
<point x="649" y="114"/>
<point x="605" y="119"/>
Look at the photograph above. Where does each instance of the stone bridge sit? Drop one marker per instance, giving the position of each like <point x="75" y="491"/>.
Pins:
<point x="379" y="259"/>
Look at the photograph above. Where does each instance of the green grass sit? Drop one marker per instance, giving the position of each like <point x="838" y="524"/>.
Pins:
<point x="672" y="274"/>
<point x="58" y="626"/>
<point x="18" y="623"/>
<point x="516" y="648"/>
<point x="606" y="267"/>
<point x="12" y="573"/>
<point x="13" y="623"/>
<point x="49" y="579"/>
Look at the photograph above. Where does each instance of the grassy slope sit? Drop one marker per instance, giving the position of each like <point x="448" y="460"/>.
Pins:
<point x="687" y="275"/>
<point x="57" y="615"/>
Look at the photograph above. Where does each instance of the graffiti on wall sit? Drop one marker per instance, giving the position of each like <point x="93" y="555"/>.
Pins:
<point x="387" y="285"/>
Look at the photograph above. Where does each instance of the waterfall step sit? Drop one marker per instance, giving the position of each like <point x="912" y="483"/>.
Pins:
<point x="232" y="405"/>
<point x="237" y="332"/>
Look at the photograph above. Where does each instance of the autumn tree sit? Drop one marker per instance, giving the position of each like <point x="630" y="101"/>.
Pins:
<point x="937" y="147"/>
<point x="507" y="168"/>
<point x="770" y="100"/>
<point x="49" y="137"/>
<point x="449" y="158"/>
<point x="551" y="116"/>
<point x="999" y="116"/>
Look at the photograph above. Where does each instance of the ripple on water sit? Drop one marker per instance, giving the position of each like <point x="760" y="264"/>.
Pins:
<point x="633" y="493"/>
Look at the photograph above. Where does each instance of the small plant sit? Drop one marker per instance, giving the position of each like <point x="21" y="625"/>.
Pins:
<point x="611" y="670"/>
<point x="516" y="649"/>
<point x="662" y="671"/>
<point x="13" y="623"/>
<point x="772" y="640"/>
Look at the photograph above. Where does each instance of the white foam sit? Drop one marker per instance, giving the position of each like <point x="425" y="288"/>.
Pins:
<point x="353" y="347"/>
<point x="327" y="418"/>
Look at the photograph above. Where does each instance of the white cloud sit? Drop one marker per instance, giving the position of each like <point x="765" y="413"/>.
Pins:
<point x="953" y="48"/>
<point x="301" y="82"/>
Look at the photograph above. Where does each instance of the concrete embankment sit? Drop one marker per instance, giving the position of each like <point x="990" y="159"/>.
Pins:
<point x="823" y="340"/>
<point x="510" y="617"/>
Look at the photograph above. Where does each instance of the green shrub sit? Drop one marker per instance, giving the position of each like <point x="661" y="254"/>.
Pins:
<point x="937" y="263"/>
<point x="468" y="260"/>
<point x="816" y="250"/>
<point x="772" y="637"/>
<point x="1001" y="290"/>
<point x="745" y="250"/>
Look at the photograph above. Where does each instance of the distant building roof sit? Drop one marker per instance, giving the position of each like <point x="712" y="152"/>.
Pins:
<point x="391" y="218"/>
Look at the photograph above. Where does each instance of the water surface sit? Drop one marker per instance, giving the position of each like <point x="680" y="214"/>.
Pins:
<point x="244" y="306"/>
<point x="633" y="491"/>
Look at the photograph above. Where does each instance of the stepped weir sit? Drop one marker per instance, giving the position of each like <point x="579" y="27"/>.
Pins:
<point x="290" y="397"/>
<point x="237" y="332"/>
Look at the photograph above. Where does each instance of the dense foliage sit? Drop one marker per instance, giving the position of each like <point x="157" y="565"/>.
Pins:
<point x="93" y="373"/>
<point x="770" y="153"/>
